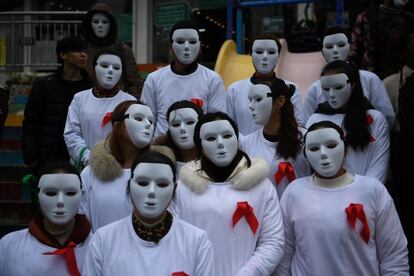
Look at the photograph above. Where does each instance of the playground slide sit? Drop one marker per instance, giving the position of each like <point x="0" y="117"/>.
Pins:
<point x="300" y="68"/>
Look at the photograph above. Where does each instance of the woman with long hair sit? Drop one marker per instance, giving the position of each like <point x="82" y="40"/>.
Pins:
<point x="106" y="177"/>
<point x="366" y="129"/>
<point x="279" y="141"/>
<point x="337" y="222"/>
<point x="150" y="241"/>
<point x="229" y="196"/>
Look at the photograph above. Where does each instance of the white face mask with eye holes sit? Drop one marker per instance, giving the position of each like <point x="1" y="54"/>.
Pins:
<point x="260" y="103"/>
<point x="108" y="70"/>
<point x="139" y="123"/>
<point x="151" y="187"/>
<point x="186" y="45"/>
<point x="325" y="151"/>
<point x="219" y="142"/>
<point x="335" y="47"/>
<point x="100" y="24"/>
<point x="336" y="89"/>
<point x="59" y="197"/>
<point x="265" y="55"/>
<point x="181" y="125"/>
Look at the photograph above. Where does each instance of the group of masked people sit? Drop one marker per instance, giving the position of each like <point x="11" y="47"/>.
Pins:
<point x="193" y="181"/>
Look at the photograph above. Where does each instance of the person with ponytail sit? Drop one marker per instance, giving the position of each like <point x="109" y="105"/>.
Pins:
<point x="229" y="196"/>
<point x="279" y="140"/>
<point x="106" y="177"/>
<point x="57" y="239"/>
<point x="337" y="222"/>
<point x="366" y="130"/>
<point x="89" y="114"/>
<point x="182" y="117"/>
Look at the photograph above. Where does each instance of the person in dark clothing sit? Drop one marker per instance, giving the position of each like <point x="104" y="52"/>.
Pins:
<point x="99" y="29"/>
<point x="47" y="106"/>
<point x="4" y="108"/>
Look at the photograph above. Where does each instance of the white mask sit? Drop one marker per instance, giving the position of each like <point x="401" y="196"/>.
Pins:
<point x="335" y="47"/>
<point x="139" y="124"/>
<point x="219" y="142"/>
<point x="152" y="188"/>
<point x="59" y="197"/>
<point x="108" y="70"/>
<point x="336" y="89"/>
<point x="181" y="125"/>
<point x="260" y="103"/>
<point x="400" y="3"/>
<point x="100" y="24"/>
<point x="265" y="55"/>
<point x="186" y="45"/>
<point x="325" y="151"/>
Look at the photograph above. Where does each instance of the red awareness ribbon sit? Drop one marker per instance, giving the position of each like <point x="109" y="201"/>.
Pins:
<point x="370" y="120"/>
<point x="246" y="211"/>
<point x="285" y="169"/>
<point x="70" y="258"/>
<point x="106" y="119"/>
<point x="198" y="102"/>
<point x="356" y="211"/>
<point x="181" y="273"/>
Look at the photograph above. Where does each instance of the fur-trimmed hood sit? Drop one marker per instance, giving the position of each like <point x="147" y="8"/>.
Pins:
<point x="242" y="177"/>
<point x="103" y="164"/>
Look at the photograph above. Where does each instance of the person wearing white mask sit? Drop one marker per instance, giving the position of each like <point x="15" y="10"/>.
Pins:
<point x="229" y="196"/>
<point x="335" y="46"/>
<point x="90" y="110"/>
<point x="279" y="141"/>
<point x="183" y="79"/>
<point x="57" y="238"/>
<point x="337" y="222"/>
<point x="367" y="131"/>
<point x="105" y="179"/>
<point x="265" y="55"/>
<point x="150" y="241"/>
<point x="182" y="117"/>
<point x="100" y="30"/>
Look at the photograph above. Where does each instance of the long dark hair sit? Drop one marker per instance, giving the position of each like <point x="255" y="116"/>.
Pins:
<point x="290" y="138"/>
<point x="355" y="122"/>
<point x="216" y="116"/>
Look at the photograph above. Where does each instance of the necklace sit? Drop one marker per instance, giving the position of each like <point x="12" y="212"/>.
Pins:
<point x="154" y="232"/>
<point x="53" y="232"/>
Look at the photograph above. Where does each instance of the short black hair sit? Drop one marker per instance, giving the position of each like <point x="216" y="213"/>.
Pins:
<point x="154" y="157"/>
<point x="70" y="44"/>
<point x="269" y="37"/>
<point x="53" y="167"/>
<point x="185" y="24"/>
<point x="184" y="104"/>
<point x="334" y="30"/>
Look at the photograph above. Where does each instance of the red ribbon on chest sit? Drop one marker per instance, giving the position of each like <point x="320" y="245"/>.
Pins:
<point x="285" y="169"/>
<point x="106" y="119"/>
<point x="246" y="211"/>
<point x="70" y="258"/>
<point x="198" y="102"/>
<point x="356" y="211"/>
<point x="370" y="120"/>
<point x="181" y="273"/>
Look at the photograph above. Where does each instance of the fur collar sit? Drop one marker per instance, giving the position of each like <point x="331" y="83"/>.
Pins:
<point x="242" y="177"/>
<point x="103" y="164"/>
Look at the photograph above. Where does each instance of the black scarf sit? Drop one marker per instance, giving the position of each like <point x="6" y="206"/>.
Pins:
<point x="406" y="106"/>
<point x="219" y="174"/>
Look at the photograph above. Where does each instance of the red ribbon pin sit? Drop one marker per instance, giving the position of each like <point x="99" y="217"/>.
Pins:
<point x="70" y="258"/>
<point x="198" y="102"/>
<point x="370" y="120"/>
<point x="285" y="169"/>
<point x="106" y="119"/>
<point x="181" y="273"/>
<point x="246" y="211"/>
<point x="356" y="211"/>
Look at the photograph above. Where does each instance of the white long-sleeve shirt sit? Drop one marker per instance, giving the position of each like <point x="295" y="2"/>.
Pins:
<point x="83" y="127"/>
<point x="117" y="250"/>
<point x="372" y="87"/>
<point x="163" y="87"/>
<point x="238" y="251"/>
<point x="104" y="202"/>
<point x="255" y="145"/>
<point x="320" y="240"/>
<point x="238" y="105"/>
<point x="21" y="254"/>
<point x="373" y="160"/>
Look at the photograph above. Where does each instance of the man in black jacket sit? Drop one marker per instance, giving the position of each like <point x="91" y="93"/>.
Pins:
<point x="47" y="106"/>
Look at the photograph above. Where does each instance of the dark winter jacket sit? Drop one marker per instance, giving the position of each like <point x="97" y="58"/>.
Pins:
<point x="131" y="82"/>
<point x="45" y="117"/>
